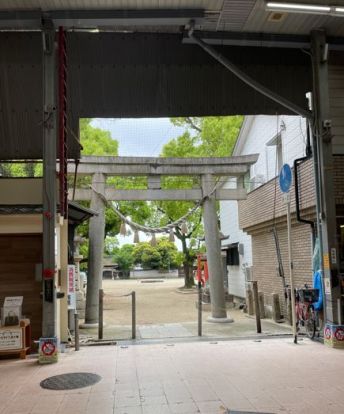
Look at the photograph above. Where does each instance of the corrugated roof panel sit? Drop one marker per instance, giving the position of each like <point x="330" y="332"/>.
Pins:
<point x="114" y="4"/>
<point x="150" y="75"/>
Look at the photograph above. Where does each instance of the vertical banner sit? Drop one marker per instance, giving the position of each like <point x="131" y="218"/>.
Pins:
<point x="71" y="287"/>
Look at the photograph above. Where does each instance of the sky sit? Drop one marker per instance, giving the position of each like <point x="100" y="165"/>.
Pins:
<point x="140" y="137"/>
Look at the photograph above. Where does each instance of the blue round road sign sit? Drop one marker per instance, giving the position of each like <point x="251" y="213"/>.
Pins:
<point x="285" y="178"/>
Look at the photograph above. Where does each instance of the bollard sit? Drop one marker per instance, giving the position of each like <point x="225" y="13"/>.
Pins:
<point x="261" y="305"/>
<point x="76" y="331"/>
<point x="133" y="315"/>
<point x="199" y="309"/>
<point x="288" y="310"/>
<point x="100" y="315"/>
<point x="249" y="301"/>
<point x="276" y="309"/>
<point x="256" y="306"/>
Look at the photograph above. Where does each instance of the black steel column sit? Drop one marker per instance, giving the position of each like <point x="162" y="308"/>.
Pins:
<point x="49" y="327"/>
<point x="324" y="164"/>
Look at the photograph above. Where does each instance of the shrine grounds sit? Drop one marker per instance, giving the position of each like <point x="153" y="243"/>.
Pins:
<point x="163" y="310"/>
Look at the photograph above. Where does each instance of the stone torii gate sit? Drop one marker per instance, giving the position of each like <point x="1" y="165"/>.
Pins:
<point x="208" y="169"/>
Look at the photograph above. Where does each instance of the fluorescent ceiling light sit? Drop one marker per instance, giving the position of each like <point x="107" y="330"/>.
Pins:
<point x="298" y="7"/>
<point x="339" y="9"/>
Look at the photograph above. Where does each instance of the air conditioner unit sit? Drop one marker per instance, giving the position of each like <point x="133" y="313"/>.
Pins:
<point x="257" y="181"/>
<point x="248" y="274"/>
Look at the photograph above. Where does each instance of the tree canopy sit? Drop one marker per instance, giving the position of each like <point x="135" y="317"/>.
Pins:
<point x="203" y="137"/>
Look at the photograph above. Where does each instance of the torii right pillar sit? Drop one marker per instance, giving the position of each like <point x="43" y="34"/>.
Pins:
<point x="213" y="246"/>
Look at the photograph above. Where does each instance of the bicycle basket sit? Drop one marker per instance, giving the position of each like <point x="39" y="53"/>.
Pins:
<point x="308" y="295"/>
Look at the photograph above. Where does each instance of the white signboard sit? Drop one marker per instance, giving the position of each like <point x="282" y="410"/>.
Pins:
<point x="13" y="301"/>
<point x="11" y="339"/>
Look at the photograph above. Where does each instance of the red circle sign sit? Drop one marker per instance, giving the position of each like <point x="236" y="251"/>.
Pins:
<point x="339" y="334"/>
<point x="327" y="333"/>
<point x="48" y="348"/>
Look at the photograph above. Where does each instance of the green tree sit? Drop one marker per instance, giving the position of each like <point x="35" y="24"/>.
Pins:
<point x="96" y="141"/>
<point x="124" y="258"/>
<point x="163" y="256"/>
<point x="203" y="137"/>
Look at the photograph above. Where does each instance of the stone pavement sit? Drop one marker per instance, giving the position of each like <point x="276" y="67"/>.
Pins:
<point x="265" y="376"/>
<point x="244" y="326"/>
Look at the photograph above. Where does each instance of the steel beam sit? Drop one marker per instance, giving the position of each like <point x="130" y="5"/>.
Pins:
<point x="324" y="165"/>
<point x="88" y="19"/>
<point x="49" y="324"/>
<point x="280" y="40"/>
<point x="112" y="194"/>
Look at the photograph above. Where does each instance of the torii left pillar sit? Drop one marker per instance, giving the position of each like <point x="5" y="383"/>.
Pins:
<point x="95" y="251"/>
<point x="213" y="246"/>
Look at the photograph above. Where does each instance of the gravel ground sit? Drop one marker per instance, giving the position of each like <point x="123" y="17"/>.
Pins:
<point x="158" y="302"/>
<point x="163" y="311"/>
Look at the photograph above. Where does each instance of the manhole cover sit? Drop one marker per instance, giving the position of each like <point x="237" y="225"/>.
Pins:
<point x="70" y="381"/>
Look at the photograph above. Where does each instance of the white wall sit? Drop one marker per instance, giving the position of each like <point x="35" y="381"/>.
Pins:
<point x="256" y="132"/>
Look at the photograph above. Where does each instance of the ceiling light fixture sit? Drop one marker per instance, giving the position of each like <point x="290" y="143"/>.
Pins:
<point x="279" y="6"/>
<point x="298" y="7"/>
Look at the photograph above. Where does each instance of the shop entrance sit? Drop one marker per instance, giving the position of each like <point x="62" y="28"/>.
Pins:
<point x="20" y="256"/>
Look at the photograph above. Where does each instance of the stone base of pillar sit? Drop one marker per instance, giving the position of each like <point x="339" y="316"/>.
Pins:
<point x="219" y="320"/>
<point x="88" y="325"/>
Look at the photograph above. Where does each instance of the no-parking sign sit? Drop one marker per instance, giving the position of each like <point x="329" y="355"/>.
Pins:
<point x="47" y="350"/>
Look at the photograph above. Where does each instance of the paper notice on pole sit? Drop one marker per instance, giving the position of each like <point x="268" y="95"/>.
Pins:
<point x="333" y="255"/>
<point x="326" y="261"/>
<point x="327" y="283"/>
<point x="286" y="198"/>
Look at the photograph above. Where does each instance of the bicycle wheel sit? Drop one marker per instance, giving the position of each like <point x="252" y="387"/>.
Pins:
<point x="310" y="324"/>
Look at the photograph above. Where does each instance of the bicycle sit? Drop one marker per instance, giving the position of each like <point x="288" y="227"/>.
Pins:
<point x="305" y="314"/>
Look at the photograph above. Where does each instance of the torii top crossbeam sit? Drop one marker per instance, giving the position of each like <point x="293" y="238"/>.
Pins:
<point x="154" y="168"/>
<point x="130" y="166"/>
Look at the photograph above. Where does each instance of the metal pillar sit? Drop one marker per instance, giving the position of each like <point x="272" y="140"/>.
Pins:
<point x="49" y="327"/>
<point x="325" y="191"/>
<point x="213" y="245"/>
<point x="95" y="250"/>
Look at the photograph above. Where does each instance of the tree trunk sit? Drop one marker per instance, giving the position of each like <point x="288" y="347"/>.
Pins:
<point x="188" y="266"/>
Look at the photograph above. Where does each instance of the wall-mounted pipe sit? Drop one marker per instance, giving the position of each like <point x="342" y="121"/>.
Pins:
<point x="298" y="162"/>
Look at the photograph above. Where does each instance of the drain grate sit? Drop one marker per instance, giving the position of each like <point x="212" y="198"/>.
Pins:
<point x="70" y="381"/>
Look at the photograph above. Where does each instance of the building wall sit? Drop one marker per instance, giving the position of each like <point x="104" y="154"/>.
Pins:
<point x="257" y="131"/>
<point x="265" y="263"/>
<point x="230" y="226"/>
<point x="262" y="129"/>
<point x="266" y="203"/>
<point x="256" y="218"/>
